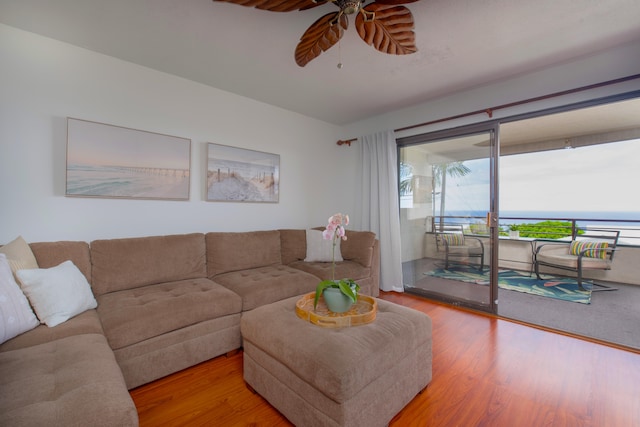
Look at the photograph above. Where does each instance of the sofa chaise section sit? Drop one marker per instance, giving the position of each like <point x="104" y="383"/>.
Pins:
<point x="65" y="375"/>
<point x="159" y="311"/>
<point x="72" y="381"/>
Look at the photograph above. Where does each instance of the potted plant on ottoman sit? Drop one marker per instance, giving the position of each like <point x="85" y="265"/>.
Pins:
<point x="339" y="295"/>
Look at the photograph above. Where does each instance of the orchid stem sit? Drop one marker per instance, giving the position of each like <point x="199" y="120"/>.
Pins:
<point x="333" y="259"/>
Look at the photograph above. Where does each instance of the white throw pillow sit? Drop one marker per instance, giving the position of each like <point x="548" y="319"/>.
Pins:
<point x="16" y="316"/>
<point x="319" y="249"/>
<point x="58" y="293"/>
<point x="19" y="255"/>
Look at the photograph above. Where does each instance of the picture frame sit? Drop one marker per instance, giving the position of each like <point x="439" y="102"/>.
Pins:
<point x="241" y="175"/>
<point x="108" y="161"/>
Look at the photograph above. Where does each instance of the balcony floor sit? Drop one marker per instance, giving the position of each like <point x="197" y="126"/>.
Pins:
<point x="612" y="316"/>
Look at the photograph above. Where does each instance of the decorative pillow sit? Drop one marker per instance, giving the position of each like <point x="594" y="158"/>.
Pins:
<point x="321" y="250"/>
<point x="453" y="239"/>
<point x="593" y="249"/>
<point x="19" y="255"/>
<point x="58" y="293"/>
<point x="16" y="316"/>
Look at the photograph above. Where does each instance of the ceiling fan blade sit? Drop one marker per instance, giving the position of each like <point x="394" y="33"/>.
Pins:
<point x="389" y="30"/>
<point x="319" y="37"/>
<point x="277" y="5"/>
<point x="394" y="2"/>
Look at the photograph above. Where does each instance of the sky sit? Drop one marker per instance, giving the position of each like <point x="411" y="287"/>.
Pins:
<point x="596" y="178"/>
<point x="99" y="144"/>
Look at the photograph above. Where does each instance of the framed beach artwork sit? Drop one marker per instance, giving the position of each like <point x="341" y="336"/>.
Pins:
<point x="116" y="162"/>
<point x="241" y="175"/>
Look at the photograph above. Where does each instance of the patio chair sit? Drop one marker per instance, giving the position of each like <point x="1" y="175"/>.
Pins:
<point x="451" y="240"/>
<point x="592" y="251"/>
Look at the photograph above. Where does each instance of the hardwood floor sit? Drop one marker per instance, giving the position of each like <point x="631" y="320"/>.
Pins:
<point x="486" y="372"/>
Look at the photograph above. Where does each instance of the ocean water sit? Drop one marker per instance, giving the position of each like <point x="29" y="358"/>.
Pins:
<point x="121" y="181"/>
<point x="585" y="217"/>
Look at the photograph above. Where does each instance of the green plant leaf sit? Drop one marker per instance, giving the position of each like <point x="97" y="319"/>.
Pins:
<point x="320" y="288"/>
<point x="345" y="287"/>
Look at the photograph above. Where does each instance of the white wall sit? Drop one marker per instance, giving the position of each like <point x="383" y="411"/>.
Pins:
<point x="43" y="81"/>
<point x="607" y="65"/>
<point x="593" y="69"/>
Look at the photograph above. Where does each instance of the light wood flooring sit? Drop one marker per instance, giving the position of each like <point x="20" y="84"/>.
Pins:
<point x="486" y="372"/>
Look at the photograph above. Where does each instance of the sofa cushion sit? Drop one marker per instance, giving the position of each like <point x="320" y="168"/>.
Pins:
<point x="73" y="381"/>
<point x="50" y="254"/>
<point x="85" y="323"/>
<point x="58" y="293"/>
<point x="16" y="316"/>
<point x="241" y="251"/>
<point x="177" y="350"/>
<point x="293" y="245"/>
<point x="133" y="262"/>
<point x="359" y="247"/>
<point x="264" y="285"/>
<point x="320" y="249"/>
<point x="134" y="315"/>
<point x="343" y="270"/>
<point x="19" y="254"/>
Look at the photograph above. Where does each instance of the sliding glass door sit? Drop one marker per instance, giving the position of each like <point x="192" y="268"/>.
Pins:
<point x="447" y="215"/>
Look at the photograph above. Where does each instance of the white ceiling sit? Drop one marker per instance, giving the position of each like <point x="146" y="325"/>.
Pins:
<point x="461" y="44"/>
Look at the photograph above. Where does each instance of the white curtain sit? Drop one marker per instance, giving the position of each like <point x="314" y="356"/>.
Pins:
<point x="377" y="204"/>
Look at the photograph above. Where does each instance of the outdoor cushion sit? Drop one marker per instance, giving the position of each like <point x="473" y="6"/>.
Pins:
<point x="565" y="259"/>
<point x="453" y="239"/>
<point x="592" y="249"/>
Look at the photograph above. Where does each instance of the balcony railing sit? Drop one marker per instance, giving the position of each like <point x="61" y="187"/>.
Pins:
<point x="540" y="227"/>
<point x="518" y="252"/>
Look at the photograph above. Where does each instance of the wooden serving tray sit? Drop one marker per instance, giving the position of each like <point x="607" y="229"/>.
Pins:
<point x="362" y="312"/>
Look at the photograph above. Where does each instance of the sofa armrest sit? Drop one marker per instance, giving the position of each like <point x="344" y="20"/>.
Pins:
<point x="374" y="289"/>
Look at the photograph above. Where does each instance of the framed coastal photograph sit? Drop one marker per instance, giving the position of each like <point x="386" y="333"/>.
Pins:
<point x="240" y="175"/>
<point x="116" y="162"/>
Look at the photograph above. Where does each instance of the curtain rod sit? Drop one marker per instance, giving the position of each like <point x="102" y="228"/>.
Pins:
<point x="489" y="111"/>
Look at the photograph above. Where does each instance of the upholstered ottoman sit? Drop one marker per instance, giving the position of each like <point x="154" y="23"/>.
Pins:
<point x="354" y="376"/>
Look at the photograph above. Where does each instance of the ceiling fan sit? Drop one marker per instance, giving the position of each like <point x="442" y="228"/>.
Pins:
<point x="385" y="24"/>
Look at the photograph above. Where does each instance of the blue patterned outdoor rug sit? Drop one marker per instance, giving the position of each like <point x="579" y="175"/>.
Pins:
<point x="562" y="288"/>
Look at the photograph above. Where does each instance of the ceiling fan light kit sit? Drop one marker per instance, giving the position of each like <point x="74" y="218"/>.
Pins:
<point x="384" y="24"/>
<point x="348" y="7"/>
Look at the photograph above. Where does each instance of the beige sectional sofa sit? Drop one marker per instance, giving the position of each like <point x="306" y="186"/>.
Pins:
<point x="164" y="303"/>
